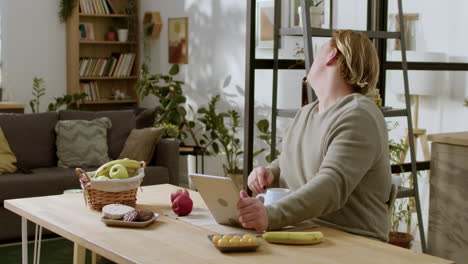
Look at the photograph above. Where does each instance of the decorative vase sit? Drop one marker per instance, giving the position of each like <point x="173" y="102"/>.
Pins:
<point x="123" y="35"/>
<point x="110" y="36"/>
<point x="238" y="179"/>
<point x="1" y="94"/>
<point x="400" y="239"/>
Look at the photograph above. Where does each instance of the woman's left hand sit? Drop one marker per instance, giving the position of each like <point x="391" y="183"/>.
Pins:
<point x="252" y="213"/>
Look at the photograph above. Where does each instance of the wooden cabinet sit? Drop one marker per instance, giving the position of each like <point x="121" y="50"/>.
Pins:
<point x="98" y="47"/>
<point x="448" y="205"/>
<point x="11" y="107"/>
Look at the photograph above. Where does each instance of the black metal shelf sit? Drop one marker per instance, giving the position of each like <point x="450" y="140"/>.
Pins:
<point x="290" y="113"/>
<point x="327" y="33"/>
<point x="394" y="112"/>
<point x="404" y="192"/>
<point x="283" y="64"/>
<point x="426" y="66"/>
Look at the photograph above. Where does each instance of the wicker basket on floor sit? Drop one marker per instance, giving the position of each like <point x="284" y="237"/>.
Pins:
<point x="99" y="193"/>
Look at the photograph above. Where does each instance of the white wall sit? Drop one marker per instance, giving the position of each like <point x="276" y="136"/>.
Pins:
<point x="34" y="44"/>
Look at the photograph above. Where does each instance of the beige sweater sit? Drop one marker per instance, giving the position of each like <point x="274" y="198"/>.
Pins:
<point x="337" y="165"/>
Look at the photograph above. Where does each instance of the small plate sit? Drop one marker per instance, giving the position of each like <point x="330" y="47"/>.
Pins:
<point x="236" y="248"/>
<point x="112" y="222"/>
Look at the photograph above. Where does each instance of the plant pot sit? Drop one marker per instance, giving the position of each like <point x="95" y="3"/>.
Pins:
<point x="110" y="36"/>
<point x="123" y="35"/>
<point x="238" y="179"/>
<point x="400" y="239"/>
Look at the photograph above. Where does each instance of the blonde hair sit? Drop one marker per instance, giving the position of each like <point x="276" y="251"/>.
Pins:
<point x="357" y="59"/>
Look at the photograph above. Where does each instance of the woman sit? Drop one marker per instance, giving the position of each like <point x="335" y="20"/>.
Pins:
<point x="335" y="152"/>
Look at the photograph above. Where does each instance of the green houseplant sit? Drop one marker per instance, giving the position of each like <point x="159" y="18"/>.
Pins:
<point x="38" y="90"/>
<point x="221" y="135"/>
<point x="172" y="100"/>
<point x="402" y="209"/>
<point x="263" y="127"/>
<point x="70" y="101"/>
<point x="66" y="9"/>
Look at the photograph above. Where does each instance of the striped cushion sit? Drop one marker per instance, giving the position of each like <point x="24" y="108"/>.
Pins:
<point x="82" y="143"/>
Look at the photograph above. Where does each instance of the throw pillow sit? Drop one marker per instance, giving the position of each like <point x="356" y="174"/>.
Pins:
<point x="82" y="143"/>
<point x="7" y="157"/>
<point x="146" y="118"/>
<point x="141" y="143"/>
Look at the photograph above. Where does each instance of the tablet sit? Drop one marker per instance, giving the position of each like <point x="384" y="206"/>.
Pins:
<point x="220" y="195"/>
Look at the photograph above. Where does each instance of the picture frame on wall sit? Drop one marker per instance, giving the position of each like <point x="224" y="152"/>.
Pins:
<point x="265" y="24"/>
<point x="178" y="40"/>
<point x="321" y="15"/>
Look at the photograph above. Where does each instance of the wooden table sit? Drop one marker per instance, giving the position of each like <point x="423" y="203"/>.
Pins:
<point x="448" y="209"/>
<point x="174" y="241"/>
<point x="11" y="107"/>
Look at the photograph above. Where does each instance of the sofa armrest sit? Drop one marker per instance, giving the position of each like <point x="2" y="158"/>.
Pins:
<point x="166" y="155"/>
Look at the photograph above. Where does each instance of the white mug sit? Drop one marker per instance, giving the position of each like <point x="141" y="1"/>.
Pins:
<point x="273" y="195"/>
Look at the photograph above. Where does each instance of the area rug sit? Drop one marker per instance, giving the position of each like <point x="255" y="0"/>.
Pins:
<point x="53" y="251"/>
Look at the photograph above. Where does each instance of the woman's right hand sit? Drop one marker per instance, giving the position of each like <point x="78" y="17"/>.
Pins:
<point x="259" y="179"/>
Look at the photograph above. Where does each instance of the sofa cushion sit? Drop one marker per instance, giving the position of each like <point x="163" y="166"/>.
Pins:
<point x="122" y="124"/>
<point x="141" y="143"/>
<point x="31" y="137"/>
<point x="43" y="181"/>
<point x="52" y="181"/>
<point x="82" y="143"/>
<point x="7" y="158"/>
<point x="146" y="118"/>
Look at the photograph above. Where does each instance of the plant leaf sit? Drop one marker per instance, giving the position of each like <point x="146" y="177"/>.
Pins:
<point x="174" y="70"/>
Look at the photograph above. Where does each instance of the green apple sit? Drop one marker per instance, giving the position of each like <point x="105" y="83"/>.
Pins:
<point x="118" y="171"/>
<point x="103" y="177"/>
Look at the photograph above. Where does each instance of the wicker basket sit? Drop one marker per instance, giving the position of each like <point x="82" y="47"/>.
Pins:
<point x="99" y="193"/>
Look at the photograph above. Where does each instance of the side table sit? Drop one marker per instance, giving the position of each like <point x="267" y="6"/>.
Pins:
<point x="195" y="151"/>
<point x="11" y="107"/>
<point x="448" y="210"/>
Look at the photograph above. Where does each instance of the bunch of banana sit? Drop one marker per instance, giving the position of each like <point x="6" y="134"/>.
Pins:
<point x="117" y="169"/>
<point x="298" y="238"/>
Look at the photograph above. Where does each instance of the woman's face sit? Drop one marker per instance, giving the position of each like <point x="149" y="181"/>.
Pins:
<point x="318" y="67"/>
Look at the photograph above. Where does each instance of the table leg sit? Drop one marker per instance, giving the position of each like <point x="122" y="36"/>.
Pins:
<point x="39" y="246"/>
<point x="24" y="240"/>
<point x="79" y="254"/>
<point x="95" y="258"/>
<point x="202" y="163"/>
<point x="36" y="233"/>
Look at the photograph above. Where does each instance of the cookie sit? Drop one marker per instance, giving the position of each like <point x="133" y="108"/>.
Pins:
<point x="131" y="216"/>
<point x="116" y="211"/>
<point x="144" y="215"/>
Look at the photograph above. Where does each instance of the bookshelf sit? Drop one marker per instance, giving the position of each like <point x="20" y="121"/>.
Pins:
<point x="80" y="50"/>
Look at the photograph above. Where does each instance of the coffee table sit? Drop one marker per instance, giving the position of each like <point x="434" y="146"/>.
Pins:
<point x="173" y="241"/>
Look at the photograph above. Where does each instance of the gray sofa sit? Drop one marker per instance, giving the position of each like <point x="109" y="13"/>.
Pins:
<point x="32" y="139"/>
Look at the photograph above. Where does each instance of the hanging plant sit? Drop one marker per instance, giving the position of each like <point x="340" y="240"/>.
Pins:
<point x="66" y="9"/>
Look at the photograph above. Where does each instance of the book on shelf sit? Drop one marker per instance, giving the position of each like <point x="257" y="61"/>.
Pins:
<point x="117" y="65"/>
<point x="186" y="149"/>
<point x="86" y="31"/>
<point x="91" y="89"/>
<point x="98" y="7"/>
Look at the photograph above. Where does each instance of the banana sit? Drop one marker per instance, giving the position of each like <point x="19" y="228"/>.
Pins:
<point x="299" y="238"/>
<point x="127" y="163"/>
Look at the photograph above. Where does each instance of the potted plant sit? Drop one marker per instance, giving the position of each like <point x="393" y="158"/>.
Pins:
<point x="263" y="127"/>
<point x="172" y="100"/>
<point x="131" y="11"/>
<point x="401" y="211"/>
<point x="111" y="35"/>
<point x="66" y="9"/>
<point x="221" y="136"/>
